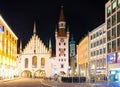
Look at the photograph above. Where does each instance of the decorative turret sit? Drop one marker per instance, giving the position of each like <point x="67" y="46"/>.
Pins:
<point x="34" y="33"/>
<point x="34" y="30"/>
<point x="20" y="46"/>
<point x="50" y="46"/>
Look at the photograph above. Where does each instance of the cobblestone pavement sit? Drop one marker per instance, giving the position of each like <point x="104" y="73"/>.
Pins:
<point x="28" y="82"/>
<point x="24" y="82"/>
<point x="97" y="84"/>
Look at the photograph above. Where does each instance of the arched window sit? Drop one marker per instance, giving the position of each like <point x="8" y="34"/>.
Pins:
<point x="34" y="62"/>
<point x="42" y="61"/>
<point x="26" y="62"/>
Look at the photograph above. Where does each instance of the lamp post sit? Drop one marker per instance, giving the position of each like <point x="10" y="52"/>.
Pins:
<point x="33" y="71"/>
<point x="69" y="71"/>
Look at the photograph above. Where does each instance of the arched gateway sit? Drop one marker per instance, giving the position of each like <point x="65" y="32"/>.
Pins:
<point x="26" y="73"/>
<point x="39" y="73"/>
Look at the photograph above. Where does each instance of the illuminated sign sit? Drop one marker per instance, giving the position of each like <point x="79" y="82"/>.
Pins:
<point x="1" y="29"/>
<point x="112" y="72"/>
<point x="118" y="57"/>
<point x="111" y="58"/>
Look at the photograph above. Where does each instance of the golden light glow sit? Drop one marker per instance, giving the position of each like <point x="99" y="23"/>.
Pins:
<point x="83" y="51"/>
<point x="8" y="51"/>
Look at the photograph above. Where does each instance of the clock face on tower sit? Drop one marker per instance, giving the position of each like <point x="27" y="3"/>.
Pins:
<point x="62" y="40"/>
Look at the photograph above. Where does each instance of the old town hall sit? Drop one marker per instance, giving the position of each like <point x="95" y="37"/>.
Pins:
<point x="36" y="60"/>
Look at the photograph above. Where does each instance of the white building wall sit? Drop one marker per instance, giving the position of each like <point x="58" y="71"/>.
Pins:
<point x="97" y="54"/>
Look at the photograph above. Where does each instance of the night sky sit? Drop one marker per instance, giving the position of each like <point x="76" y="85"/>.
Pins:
<point x="81" y="16"/>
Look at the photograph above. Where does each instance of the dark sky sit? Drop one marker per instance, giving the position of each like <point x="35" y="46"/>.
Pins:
<point x="81" y="16"/>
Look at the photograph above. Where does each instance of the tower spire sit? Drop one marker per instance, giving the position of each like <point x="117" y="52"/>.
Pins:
<point x="20" y="46"/>
<point x="62" y="24"/>
<point x="62" y="18"/>
<point x="50" y="45"/>
<point x="34" y="30"/>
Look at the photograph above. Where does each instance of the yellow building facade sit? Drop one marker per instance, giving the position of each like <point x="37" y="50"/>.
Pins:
<point x="83" y="56"/>
<point x="8" y="51"/>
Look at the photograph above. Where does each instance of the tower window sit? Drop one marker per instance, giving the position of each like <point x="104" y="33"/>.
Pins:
<point x="62" y="66"/>
<point x="59" y="43"/>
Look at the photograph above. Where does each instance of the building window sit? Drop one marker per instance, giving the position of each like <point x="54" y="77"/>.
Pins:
<point x="6" y="32"/>
<point x="114" y="19"/>
<point x="100" y="41"/>
<point x="59" y="43"/>
<point x="118" y="3"/>
<point x="64" y="59"/>
<point x="114" y="6"/>
<point x="100" y="32"/>
<point x="104" y="31"/>
<point x="91" y="37"/>
<point x="59" y="55"/>
<point x="91" y="54"/>
<point x="104" y="40"/>
<point x="109" y="47"/>
<point x="62" y="66"/>
<point x="100" y="51"/>
<point x="118" y="30"/>
<point x="42" y="62"/>
<point x="104" y="50"/>
<point x="59" y="49"/>
<point x="114" y="45"/>
<point x="97" y="52"/>
<point x="94" y="36"/>
<point x="109" y="35"/>
<point x="34" y="51"/>
<point x="97" y="43"/>
<point x="118" y="16"/>
<point x="114" y="33"/>
<point x="34" y="62"/>
<point x="91" y="45"/>
<point x="26" y="62"/>
<point x="108" y="23"/>
<point x="108" y="11"/>
<point x="118" y="44"/>
<point x="94" y="53"/>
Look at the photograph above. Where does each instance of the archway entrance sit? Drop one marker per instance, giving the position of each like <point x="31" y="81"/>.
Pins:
<point x="40" y="73"/>
<point x="26" y="73"/>
<point x="62" y="73"/>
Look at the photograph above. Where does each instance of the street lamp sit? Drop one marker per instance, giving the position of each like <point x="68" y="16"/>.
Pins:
<point x="69" y="71"/>
<point x="33" y="71"/>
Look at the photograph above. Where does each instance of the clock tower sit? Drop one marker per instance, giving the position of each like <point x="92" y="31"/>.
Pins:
<point x="62" y="46"/>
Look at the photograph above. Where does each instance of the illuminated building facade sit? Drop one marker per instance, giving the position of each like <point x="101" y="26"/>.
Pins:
<point x="8" y="51"/>
<point x="34" y="60"/>
<point x="83" y="56"/>
<point x="97" y="52"/>
<point x="112" y="17"/>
